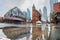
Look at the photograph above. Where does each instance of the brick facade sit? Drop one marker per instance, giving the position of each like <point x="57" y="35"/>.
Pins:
<point x="56" y="7"/>
<point x="36" y="16"/>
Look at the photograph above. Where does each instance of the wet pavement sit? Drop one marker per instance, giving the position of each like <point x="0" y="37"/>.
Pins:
<point x="14" y="31"/>
<point x="29" y="31"/>
<point x="55" y="32"/>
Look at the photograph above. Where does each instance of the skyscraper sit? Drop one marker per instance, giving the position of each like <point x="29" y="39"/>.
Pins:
<point x="40" y="11"/>
<point x="51" y="4"/>
<point x="45" y="13"/>
<point x="28" y="14"/>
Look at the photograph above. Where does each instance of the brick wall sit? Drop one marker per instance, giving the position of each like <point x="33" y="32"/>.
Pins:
<point x="36" y="16"/>
<point x="56" y="7"/>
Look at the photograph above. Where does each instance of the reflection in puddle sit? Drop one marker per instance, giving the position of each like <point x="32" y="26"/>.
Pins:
<point x="40" y="32"/>
<point x="37" y="32"/>
<point x="16" y="32"/>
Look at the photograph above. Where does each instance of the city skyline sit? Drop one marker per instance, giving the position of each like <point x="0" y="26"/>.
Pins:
<point x="23" y="5"/>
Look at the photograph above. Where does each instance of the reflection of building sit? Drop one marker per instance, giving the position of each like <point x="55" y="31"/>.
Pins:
<point x="13" y="32"/>
<point x="36" y="16"/>
<point x="36" y="32"/>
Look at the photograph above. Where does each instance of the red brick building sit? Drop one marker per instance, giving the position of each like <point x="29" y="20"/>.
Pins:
<point x="36" y="16"/>
<point x="56" y="7"/>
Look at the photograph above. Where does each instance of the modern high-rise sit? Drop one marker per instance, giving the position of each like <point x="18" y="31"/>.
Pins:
<point x="40" y="11"/>
<point x="28" y="14"/>
<point x="45" y="13"/>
